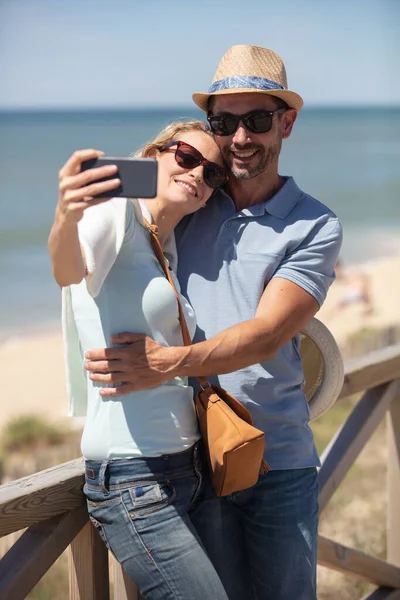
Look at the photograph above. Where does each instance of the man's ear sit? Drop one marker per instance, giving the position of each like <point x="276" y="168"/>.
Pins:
<point x="288" y="119"/>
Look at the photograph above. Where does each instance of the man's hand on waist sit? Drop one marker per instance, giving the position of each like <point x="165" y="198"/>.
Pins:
<point x="139" y="363"/>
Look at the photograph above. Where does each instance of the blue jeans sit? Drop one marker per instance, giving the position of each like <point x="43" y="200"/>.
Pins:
<point x="263" y="541"/>
<point x="140" y="509"/>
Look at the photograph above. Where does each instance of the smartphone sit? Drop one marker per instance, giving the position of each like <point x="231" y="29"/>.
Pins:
<point x="138" y="176"/>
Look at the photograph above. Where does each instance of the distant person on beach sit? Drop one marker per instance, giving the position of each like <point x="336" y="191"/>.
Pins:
<point x="256" y="264"/>
<point x="355" y="286"/>
<point x="143" y="465"/>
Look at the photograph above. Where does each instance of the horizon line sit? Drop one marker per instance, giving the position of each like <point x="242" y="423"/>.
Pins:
<point x="156" y="107"/>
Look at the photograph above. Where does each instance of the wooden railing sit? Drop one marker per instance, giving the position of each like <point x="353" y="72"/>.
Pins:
<point x="378" y="376"/>
<point x="50" y="505"/>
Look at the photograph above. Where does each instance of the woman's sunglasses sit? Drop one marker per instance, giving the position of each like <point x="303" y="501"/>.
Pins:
<point x="257" y="121"/>
<point x="188" y="157"/>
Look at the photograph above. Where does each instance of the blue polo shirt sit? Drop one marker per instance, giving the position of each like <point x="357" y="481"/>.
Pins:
<point x="226" y="259"/>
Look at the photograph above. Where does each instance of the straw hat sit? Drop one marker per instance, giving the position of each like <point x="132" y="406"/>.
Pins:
<point x="250" y="69"/>
<point x="322" y="367"/>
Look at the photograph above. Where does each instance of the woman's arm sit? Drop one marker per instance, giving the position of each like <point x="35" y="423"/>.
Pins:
<point x="76" y="191"/>
<point x="67" y="259"/>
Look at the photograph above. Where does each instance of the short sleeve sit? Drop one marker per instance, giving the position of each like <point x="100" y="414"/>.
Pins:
<point x="101" y="234"/>
<point x="311" y="265"/>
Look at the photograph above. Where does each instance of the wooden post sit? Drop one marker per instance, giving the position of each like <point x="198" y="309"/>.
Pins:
<point x="124" y="587"/>
<point x="393" y="483"/>
<point x="88" y="566"/>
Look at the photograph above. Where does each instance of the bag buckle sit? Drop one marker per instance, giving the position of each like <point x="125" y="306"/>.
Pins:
<point x="205" y="385"/>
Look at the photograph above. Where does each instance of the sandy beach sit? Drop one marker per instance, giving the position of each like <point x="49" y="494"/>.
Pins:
<point x="35" y="377"/>
<point x="383" y="286"/>
<point x="34" y="365"/>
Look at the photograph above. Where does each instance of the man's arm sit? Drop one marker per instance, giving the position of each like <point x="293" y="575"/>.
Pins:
<point x="284" y="309"/>
<point x="288" y="303"/>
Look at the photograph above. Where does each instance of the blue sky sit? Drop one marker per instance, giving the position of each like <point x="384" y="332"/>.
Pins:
<point x="72" y="53"/>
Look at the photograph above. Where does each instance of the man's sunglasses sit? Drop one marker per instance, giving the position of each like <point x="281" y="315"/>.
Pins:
<point x="257" y="121"/>
<point x="188" y="157"/>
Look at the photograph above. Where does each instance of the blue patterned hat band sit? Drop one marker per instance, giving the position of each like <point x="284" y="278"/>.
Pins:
<point x="244" y="81"/>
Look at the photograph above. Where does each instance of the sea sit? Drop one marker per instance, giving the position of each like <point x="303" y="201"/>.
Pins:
<point x="348" y="158"/>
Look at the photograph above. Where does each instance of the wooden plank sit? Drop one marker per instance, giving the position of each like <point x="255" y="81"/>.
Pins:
<point x="41" y="496"/>
<point x="393" y="483"/>
<point x="88" y="566"/>
<point x="371" y="370"/>
<point x="344" y="448"/>
<point x="35" y="551"/>
<point x="124" y="587"/>
<point x="353" y="562"/>
<point x="383" y="594"/>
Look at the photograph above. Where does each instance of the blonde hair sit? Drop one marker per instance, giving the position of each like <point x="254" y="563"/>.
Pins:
<point x="169" y="134"/>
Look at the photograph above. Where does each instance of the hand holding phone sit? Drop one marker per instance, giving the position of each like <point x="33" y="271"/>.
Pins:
<point x="138" y="176"/>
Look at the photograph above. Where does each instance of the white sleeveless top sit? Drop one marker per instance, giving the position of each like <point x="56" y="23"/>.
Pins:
<point x="125" y="290"/>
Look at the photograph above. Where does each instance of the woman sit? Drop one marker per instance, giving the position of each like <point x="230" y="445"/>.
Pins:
<point x="143" y="470"/>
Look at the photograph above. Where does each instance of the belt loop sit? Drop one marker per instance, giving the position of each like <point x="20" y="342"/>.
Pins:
<point x="102" y="477"/>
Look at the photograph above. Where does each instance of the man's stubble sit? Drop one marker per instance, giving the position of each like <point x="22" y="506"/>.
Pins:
<point x="265" y="158"/>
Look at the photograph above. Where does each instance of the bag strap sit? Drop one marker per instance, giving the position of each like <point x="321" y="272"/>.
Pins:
<point x="155" y="243"/>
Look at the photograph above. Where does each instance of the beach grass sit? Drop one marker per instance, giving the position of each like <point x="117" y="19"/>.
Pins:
<point x="30" y="432"/>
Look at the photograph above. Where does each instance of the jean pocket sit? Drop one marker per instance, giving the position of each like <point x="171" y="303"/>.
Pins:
<point x="100" y="530"/>
<point x="102" y="513"/>
<point x="97" y="498"/>
<point x="148" y="497"/>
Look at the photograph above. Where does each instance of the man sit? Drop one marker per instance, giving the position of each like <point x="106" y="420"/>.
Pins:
<point x="256" y="264"/>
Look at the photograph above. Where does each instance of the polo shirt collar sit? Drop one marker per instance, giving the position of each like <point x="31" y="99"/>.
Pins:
<point x="285" y="199"/>
<point x="278" y="206"/>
